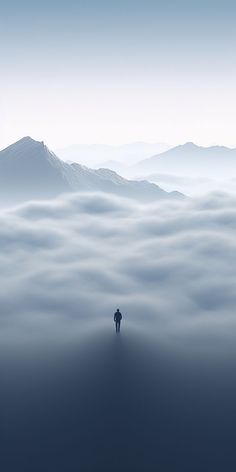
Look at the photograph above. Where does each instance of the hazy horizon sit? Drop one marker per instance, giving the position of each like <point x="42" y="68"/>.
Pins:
<point x="117" y="144"/>
<point x="188" y="169"/>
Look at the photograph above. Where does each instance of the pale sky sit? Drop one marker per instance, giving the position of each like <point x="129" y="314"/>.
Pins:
<point x="117" y="72"/>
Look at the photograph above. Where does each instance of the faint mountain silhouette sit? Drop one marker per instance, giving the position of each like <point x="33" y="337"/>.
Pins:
<point x="191" y="160"/>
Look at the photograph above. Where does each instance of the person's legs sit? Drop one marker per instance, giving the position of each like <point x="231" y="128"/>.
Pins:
<point x="116" y="326"/>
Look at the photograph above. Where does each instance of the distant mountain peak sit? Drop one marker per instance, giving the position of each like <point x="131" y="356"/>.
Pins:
<point x="189" y="159"/>
<point x="25" y="143"/>
<point x="27" y="140"/>
<point x="190" y="144"/>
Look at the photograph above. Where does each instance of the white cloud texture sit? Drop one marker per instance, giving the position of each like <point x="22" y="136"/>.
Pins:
<point x="76" y="259"/>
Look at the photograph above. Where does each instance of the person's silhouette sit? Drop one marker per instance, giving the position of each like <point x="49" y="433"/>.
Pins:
<point x="117" y="319"/>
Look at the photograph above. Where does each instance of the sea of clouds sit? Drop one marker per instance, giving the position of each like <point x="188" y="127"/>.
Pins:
<point x="69" y="263"/>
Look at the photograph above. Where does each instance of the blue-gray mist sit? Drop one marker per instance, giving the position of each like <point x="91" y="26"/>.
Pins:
<point x="76" y="395"/>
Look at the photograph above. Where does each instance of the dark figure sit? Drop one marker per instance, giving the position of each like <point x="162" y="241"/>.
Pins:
<point x="117" y="319"/>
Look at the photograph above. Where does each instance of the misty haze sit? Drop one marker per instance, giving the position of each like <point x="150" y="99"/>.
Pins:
<point x="76" y="243"/>
<point x="117" y="236"/>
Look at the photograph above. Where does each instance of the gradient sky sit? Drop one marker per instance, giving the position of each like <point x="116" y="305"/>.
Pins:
<point x="114" y="72"/>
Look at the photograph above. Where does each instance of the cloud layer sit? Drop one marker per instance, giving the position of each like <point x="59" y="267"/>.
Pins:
<point x="73" y="261"/>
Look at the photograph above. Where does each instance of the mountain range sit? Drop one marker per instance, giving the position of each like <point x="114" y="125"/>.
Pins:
<point x="29" y="170"/>
<point x="191" y="160"/>
<point x="95" y="155"/>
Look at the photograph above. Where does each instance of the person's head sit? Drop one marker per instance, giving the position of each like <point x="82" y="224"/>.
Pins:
<point x="117" y="309"/>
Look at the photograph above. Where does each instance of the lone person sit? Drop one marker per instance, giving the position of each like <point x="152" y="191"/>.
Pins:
<point x="117" y="319"/>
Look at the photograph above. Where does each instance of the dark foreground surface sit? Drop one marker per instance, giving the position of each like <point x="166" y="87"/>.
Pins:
<point x="116" y="403"/>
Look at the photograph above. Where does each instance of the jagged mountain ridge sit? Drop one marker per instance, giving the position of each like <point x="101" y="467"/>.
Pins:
<point x="29" y="170"/>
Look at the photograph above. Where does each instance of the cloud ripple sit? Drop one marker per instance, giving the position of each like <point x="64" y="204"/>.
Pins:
<point x="170" y="265"/>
